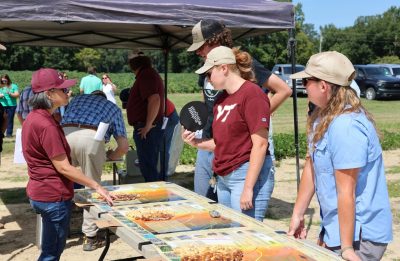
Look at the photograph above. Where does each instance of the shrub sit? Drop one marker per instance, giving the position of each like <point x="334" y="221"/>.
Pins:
<point x="188" y="156"/>
<point x="284" y="145"/>
<point x="284" y="148"/>
<point x="390" y="140"/>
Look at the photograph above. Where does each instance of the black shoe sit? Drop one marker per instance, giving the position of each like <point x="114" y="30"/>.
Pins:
<point x="92" y="243"/>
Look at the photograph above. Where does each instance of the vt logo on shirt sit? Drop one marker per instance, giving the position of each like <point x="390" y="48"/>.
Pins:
<point x="225" y="110"/>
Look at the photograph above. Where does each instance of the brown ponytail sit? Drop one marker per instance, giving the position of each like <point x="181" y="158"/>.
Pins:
<point x="244" y="65"/>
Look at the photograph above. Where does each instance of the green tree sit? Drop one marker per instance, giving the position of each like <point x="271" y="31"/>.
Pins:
<point x="61" y="58"/>
<point x="388" y="59"/>
<point x="113" y="60"/>
<point x="370" y="39"/>
<point x="88" y="57"/>
<point x="22" y="58"/>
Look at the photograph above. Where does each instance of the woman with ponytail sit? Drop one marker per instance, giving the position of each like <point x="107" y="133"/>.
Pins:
<point x="242" y="162"/>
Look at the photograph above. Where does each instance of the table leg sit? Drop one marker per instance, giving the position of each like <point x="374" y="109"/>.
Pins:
<point x="114" y="166"/>
<point x="107" y="245"/>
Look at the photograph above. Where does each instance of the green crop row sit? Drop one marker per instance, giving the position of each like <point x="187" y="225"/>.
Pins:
<point x="177" y="82"/>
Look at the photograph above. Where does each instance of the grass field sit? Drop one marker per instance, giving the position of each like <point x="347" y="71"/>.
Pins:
<point x="385" y="112"/>
<point x="183" y="88"/>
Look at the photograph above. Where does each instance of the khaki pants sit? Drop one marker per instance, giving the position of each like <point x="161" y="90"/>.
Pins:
<point x="90" y="155"/>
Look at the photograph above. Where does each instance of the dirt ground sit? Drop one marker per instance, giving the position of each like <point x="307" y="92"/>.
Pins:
<point x="17" y="239"/>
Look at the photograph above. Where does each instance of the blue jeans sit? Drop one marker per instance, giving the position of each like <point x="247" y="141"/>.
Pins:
<point x="203" y="173"/>
<point x="271" y="141"/>
<point x="10" y="110"/>
<point x="148" y="151"/>
<point x="230" y="188"/>
<point x="173" y="120"/>
<point x="55" y="227"/>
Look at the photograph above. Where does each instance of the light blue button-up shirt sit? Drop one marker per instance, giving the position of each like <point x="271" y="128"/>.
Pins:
<point x="351" y="142"/>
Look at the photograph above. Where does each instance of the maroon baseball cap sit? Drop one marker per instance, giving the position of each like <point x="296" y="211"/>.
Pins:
<point x="46" y="78"/>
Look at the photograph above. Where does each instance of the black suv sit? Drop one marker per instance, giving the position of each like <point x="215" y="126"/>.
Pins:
<point x="375" y="82"/>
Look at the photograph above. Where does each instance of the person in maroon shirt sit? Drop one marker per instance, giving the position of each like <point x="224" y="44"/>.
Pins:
<point x="145" y="111"/>
<point x="46" y="151"/>
<point x="240" y="133"/>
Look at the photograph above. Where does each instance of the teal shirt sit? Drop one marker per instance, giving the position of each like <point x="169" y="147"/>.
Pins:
<point x="351" y="142"/>
<point x="90" y="83"/>
<point x="7" y="100"/>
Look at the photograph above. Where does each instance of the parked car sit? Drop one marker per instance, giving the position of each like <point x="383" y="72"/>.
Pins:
<point x="285" y="70"/>
<point x="375" y="82"/>
<point x="393" y="69"/>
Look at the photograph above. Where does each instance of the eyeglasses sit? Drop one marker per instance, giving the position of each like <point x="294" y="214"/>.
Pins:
<point x="306" y="80"/>
<point x="105" y="78"/>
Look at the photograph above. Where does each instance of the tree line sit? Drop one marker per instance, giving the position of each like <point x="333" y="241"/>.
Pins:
<point x="372" y="39"/>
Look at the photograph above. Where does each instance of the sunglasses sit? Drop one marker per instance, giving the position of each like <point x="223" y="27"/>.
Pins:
<point x="64" y="90"/>
<point x="105" y="78"/>
<point x="306" y="80"/>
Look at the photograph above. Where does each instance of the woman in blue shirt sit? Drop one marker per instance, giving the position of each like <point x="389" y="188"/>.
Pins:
<point x="344" y="166"/>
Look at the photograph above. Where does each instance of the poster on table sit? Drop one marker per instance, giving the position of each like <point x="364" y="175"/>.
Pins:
<point x="178" y="216"/>
<point x="237" y="244"/>
<point x="184" y="226"/>
<point x="139" y="194"/>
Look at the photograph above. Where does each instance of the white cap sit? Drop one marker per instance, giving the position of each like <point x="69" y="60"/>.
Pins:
<point x="217" y="56"/>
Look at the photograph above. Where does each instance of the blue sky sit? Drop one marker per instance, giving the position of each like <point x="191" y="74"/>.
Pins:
<point x="342" y="13"/>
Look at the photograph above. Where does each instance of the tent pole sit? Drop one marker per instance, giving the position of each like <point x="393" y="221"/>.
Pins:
<point x="163" y="173"/>
<point x="292" y="55"/>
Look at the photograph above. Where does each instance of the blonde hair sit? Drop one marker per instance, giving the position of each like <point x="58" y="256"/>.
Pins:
<point x="342" y="100"/>
<point x="243" y="66"/>
<point x="106" y="75"/>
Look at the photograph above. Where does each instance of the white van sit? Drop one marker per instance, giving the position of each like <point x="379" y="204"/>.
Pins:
<point x="285" y="70"/>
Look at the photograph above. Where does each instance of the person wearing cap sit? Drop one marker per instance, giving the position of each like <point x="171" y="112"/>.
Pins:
<point x="207" y="35"/>
<point x="47" y="153"/>
<point x="90" y="82"/>
<point x="240" y="133"/>
<point x="344" y="166"/>
<point x="80" y="122"/>
<point x="145" y="112"/>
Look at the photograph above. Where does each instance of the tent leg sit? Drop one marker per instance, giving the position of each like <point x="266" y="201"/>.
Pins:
<point x="292" y="55"/>
<point x="163" y="173"/>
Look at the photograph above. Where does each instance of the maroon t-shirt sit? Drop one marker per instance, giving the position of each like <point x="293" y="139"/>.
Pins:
<point x="42" y="140"/>
<point x="148" y="82"/>
<point x="236" y="118"/>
